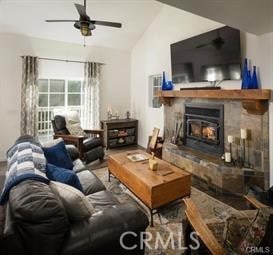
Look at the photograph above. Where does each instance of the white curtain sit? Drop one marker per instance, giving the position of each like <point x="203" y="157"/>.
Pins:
<point x="91" y="100"/>
<point x="29" y="96"/>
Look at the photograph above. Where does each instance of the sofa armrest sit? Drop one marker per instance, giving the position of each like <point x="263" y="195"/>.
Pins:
<point x="101" y="234"/>
<point x="72" y="138"/>
<point x="94" y="131"/>
<point x="97" y="132"/>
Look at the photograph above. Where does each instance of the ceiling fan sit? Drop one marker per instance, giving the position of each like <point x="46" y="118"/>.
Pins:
<point x="85" y="24"/>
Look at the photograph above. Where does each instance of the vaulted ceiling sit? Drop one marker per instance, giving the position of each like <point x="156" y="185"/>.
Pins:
<point x="254" y="16"/>
<point x="28" y="17"/>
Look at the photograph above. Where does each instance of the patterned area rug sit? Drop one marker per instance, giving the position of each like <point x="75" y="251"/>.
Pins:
<point x="169" y="219"/>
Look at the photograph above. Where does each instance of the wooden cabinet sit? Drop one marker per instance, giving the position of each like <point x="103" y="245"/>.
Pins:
<point x="119" y="133"/>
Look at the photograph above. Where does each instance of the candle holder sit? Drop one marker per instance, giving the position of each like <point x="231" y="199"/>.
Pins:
<point x="110" y="116"/>
<point x="230" y="151"/>
<point x="230" y="139"/>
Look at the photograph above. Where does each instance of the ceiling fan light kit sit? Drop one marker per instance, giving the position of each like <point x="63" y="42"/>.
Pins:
<point x="85" y="24"/>
<point x="85" y="31"/>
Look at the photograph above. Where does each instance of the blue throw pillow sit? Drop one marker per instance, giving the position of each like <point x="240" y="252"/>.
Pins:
<point x="63" y="175"/>
<point x="58" y="155"/>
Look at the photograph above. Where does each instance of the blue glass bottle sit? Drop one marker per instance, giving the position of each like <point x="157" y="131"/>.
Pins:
<point x="164" y="85"/>
<point x="254" y="80"/>
<point x="170" y="85"/>
<point x="249" y="85"/>
<point x="245" y="84"/>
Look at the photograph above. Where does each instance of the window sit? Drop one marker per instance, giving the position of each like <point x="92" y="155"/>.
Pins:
<point x="57" y="95"/>
<point x="154" y="86"/>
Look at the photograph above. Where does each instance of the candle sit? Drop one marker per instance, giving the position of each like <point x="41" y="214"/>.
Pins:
<point x="230" y="139"/>
<point x="228" y="157"/>
<point x="243" y="133"/>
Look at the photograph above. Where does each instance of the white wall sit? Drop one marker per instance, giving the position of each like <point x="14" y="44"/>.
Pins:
<point x="151" y="55"/>
<point x="115" y="87"/>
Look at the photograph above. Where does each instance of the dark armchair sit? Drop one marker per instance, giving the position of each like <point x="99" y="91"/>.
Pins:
<point x="90" y="148"/>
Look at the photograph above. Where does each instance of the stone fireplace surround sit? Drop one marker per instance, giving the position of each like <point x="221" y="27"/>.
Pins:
<point x="211" y="169"/>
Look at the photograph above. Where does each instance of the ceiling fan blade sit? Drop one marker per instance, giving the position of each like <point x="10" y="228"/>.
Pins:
<point x="106" y="23"/>
<point x="81" y="10"/>
<point x="60" y="20"/>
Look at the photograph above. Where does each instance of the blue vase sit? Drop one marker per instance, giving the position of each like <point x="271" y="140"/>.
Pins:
<point x="249" y="85"/>
<point x="245" y="84"/>
<point x="169" y="85"/>
<point x="254" y="80"/>
<point x="164" y="85"/>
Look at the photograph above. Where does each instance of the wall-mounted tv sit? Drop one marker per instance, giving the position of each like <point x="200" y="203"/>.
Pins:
<point x="212" y="56"/>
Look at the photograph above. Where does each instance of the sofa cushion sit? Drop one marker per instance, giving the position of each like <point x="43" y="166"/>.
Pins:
<point x="90" y="182"/>
<point x="256" y="231"/>
<point x="40" y="217"/>
<point x="60" y="123"/>
<point x="102" y="200"/>
<point x="73" y="123"/>
<point x="63" y="175"/>
<point x="58" y="155"/>
<point x="101" y="233"/>
<point x="76" y="204"/>
<point x="76" y="129"/>
<point x="91" y="143"/>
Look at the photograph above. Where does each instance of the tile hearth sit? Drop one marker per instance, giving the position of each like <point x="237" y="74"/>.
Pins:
<point x="213" y="171"/>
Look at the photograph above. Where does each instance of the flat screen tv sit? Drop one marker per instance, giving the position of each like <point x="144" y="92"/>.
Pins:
<point x="212" y="56"/>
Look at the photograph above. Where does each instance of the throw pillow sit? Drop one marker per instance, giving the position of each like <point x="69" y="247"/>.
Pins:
<point x="73" y="125"/>
<point x="235" y="228"/>
<point x="71" y="117"/>
<point x="256" y="231"/>
<point x="58" y="155"/>
<point x="75" y="129"/>
<point x="76" y="204"/>
<point x="63" y="175"/>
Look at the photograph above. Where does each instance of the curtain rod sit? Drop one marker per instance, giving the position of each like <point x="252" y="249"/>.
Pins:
<point x="65" y="60"/>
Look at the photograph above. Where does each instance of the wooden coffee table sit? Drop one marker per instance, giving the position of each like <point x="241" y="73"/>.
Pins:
<point x="154" y="188"/>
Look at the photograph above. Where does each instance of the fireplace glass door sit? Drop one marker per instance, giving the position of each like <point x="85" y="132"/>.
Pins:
<point x="204" y="127"/>
<point x="203" y="130"/>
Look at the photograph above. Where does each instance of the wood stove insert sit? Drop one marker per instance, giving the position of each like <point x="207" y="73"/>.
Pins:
<point x="204" y="127"/>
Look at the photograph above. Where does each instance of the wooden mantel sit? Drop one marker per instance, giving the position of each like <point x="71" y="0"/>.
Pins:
<point x="255" y="101"/>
